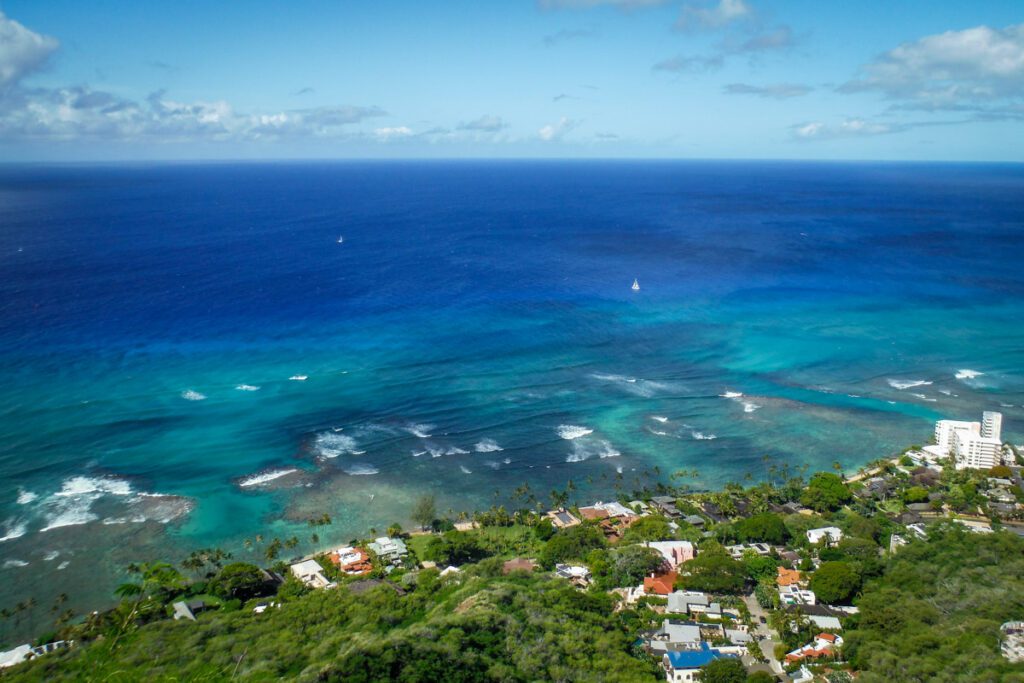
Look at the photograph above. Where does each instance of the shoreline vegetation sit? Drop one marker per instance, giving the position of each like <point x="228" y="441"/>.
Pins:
<point x="911" y="566"/>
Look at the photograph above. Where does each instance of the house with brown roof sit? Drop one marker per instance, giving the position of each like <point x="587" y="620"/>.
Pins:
<point x="518" y="564"/>
<point x="660" y="584"/>
<point x="789" y="577"/>
<point x="824" y="646"/>
<point x="350" y="560"/>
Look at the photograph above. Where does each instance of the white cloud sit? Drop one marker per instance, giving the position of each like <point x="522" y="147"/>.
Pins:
<point x="715" y="15"/>
<point x="393" y="133"/>
<point x="21" y="51"/>
<point x="556" y="131"/>
<point x="779" y="91"/>
<point x="855" y="127"/>
<point x="485" y="124"/>
<point x="979" y="68"/>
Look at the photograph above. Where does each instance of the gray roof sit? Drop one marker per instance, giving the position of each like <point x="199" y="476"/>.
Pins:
<point x="695" y="520"/>
<point x="681" y="632"/>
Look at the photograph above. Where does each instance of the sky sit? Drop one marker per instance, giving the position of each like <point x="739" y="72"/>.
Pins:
<point x="749" y="79"/>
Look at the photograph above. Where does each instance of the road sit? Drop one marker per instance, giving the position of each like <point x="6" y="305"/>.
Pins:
<point x="769" y="642"/>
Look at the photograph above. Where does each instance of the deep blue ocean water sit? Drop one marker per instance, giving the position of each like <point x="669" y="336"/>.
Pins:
<point x="471" y="307"/>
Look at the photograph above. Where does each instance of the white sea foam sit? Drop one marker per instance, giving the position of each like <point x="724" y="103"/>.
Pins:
<point x="945" y="392"/>
<point x="902" y="384"/>
<point x="82" y="485"/>
<point x="63" y="565"/>
<point x="13" y="528"/>
<point x="265" y="477"/>
<point x="333" y="444"/>
<point x="359" y="469"/>
<point x="659" y="418"/>
<point x="51" y="555"/>
<point x="191" y="395"/>
<point x="732" y="394"/>
<point x="749" y="407"/>
<point x="584" y="449"/>
<point x="299" y="378"/>
<point x="420" y="430"/>
<point x="435" y="452"/>
<point x="571" y="432"/>
<point x="417" y="454"/>
<point x="507" y="461"/>
<point x="487" y="446"/>
<point x="25" y="497"/>
<point x="11" y="564"/>
<point x="455" y="450"/>
<point x="247" y="387"/>
<point x="640" y="387"/>
<point x="465" y="470"/>
<point x="925" y="398"/>
<point x="968" y="374"/>
<point x="658" y="432"/>
<point x="493" y="464"/>
<point x="701" y="436"/>
<point x="1006" y="405"/>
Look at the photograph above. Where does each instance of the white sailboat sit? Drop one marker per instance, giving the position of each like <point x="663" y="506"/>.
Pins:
<point x="636" y="285"/>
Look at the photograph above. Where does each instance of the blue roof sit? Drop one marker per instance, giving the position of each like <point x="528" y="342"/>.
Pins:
<point x="694" y="659"/>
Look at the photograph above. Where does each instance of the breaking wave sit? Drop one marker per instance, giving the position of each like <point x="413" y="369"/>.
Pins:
<point x="333" y="444"/>
<point x="570" y="432"/>
<point x="190" y="395"/>
<point x="902" y="384"/>
<point x="265" y="477"/>
<point x="358" y="469"/>
<point x="487" y="446"/>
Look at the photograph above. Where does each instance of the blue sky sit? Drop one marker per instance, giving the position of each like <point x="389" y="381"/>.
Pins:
<point x="118" y="79"/>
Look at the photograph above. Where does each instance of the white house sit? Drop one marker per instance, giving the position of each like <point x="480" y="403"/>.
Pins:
<point x="831" y="534"/>
<point x="310" y="573"/>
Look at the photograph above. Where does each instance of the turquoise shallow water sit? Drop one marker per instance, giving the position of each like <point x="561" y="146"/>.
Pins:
<point x="471" y="307"/>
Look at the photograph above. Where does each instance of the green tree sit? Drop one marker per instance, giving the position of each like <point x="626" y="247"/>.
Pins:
<point x="725" y="670"/>
<point x="825" y="491"/>
<point x="766" y="527"/>
<point x="835" y="582"/>
<point x="760" y="677"/>
<point x="424" y="511"/>
<point x="650" y="528"/>
<point x="544" y="529"/>
<point x="760" y="567"/>
<point x="571" y="544"/>
<point x="238" y="581"/>
<point x="714" y="571"/>
<point x="454" y="547"/>
<point x="631" y="564"/>
<point x="915" y="494"/>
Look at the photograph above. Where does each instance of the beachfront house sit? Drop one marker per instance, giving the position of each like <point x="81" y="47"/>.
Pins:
<point x="390" y="550"/>
<point x="310" y="573"/>
<point x="351" y="560"/>
<point x="562" y="518"/>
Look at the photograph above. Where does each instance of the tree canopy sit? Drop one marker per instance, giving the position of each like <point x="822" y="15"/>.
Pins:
<point x="825" y="491"/>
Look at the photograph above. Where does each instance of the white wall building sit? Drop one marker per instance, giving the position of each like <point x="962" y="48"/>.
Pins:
<point x="976" y="452"/>
<point x="945" y="429"/>
<point x="992" y="425"/>
<point x="831" y="534"/>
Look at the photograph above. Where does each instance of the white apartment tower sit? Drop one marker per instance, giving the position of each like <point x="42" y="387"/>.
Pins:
<point x="992" y="425"/>
<point x="972" y="445"/>
<point x="945" y="429"/>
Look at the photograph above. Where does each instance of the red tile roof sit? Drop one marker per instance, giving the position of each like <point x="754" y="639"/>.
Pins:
<point x="660" y="585"/>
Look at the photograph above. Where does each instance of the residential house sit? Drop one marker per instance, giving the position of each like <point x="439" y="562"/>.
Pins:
<point x="351" y="560"/>
<point x="1012" y="641"/>
<point x="684" y="665"/>
<point x="789" y="577"/>
<point x="20" y="654"/>
<point x="310" y="573"/>
<point x="188" y="610"/>
<point x="389" y="550"/>
<point x="674" y="552"/>
<point x="830" y="534"/>
<point x="662" y="584"/>
<point x="795" y="595"/>
<point x="562" y="518"/>
<point x="577" y="575"/>
<point x="824" y="646"/>
<point x="666" y="505"/>
<point x="824" y="617"/>
<point x="694" y="520"/>
<point x="801" y="675"/>
<point x="686" y="602"/>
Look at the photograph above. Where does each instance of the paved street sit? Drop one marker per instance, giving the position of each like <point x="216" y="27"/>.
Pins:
<point x="768" y="644"/>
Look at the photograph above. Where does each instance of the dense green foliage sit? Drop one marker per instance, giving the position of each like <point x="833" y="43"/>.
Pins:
<point x="934" y="614"/>
<point x="238" y="581"/>
<point x="765" y="527"/>
<point x="454" y="547"/>
<point x="571" y="544"/>
<point x="835" y="582"/>
<point x="475" y="628"/>
<point x="651" y="528"/>
<point x="714" y="571"/>
<point x="724" y="671"/>
<point x="825" y="491"/>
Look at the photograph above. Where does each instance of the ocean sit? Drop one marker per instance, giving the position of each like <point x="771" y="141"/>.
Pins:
<point x="197" y="355"/>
